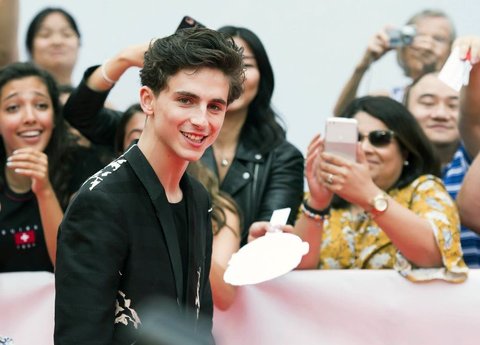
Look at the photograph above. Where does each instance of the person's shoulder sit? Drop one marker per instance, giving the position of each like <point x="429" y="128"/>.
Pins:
<point x="288" y="150"/>
<point x="427" y="182"/>
<point x="104" y="191"/>
<point x="110" y="177"/>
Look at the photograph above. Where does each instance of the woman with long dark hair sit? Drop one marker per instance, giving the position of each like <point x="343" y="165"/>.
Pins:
<point x="251" y="157"/>
<point x="41" y="167"/>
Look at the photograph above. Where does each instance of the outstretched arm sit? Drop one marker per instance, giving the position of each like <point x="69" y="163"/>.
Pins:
<point x="85" y="110"/>
<point x="469" y="123"/>
<point x="377" y="47"/>
<point x="225" y="243"/>
<point x="104" y="77"/>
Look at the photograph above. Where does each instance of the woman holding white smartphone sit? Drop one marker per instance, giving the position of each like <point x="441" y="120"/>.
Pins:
<point x="387" y="209"/>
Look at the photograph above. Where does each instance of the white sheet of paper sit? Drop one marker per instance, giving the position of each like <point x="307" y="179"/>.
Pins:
<point x="455" y="72"/>
<point x="280" y="217"/>
<point x="268" y="257"/>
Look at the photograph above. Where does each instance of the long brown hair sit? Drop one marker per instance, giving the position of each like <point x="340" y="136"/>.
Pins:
<point x="221" y="201"/>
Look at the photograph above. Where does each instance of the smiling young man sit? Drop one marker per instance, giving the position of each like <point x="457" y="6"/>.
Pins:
<point x="436" y="106"/>
<point x="140" y="228"/>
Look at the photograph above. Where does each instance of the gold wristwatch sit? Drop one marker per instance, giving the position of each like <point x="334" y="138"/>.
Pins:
<point x="379" y="205"/>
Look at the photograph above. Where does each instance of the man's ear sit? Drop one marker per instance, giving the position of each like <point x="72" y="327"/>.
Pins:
<point x="147" y="99"/>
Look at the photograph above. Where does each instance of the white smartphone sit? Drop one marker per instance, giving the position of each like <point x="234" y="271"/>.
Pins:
<point x="341" y="137"/>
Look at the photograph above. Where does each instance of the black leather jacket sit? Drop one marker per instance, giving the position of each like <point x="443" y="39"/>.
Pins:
<point x="260" y="183"/>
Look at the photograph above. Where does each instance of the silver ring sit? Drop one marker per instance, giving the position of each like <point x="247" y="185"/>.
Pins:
<point x="330" y="178"/>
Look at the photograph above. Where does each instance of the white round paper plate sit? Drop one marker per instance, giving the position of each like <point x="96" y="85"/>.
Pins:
<point x="265" y="258"/>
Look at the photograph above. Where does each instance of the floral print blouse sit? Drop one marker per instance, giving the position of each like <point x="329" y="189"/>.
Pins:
<point x="356" y="242"/>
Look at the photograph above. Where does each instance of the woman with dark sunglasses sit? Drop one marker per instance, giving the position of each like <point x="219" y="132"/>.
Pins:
<point x="389" y="209"/>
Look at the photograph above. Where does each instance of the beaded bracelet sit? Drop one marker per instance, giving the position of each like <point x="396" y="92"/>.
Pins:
<point x="104" y="74"/>
<point x="318" y="215"/>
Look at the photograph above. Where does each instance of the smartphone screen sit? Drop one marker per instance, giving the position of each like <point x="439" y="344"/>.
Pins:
<point x="341" y="136"/>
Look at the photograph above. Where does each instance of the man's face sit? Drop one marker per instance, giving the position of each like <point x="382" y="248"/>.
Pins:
<point x="435" y="106"/>
<point x="187" y="115"/>
<point x="430" y="47"/>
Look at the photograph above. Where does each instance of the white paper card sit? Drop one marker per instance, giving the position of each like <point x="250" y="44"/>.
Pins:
<point x="268" y="257"/>
<point x="279" y="217"/>
<point x="455" y="72"/>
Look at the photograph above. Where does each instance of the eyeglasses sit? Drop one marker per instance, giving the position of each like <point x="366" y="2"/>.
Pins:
<point x="378" y="138"/>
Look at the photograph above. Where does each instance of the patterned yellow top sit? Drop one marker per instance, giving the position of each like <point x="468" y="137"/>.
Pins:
<point x="357" y="242"/>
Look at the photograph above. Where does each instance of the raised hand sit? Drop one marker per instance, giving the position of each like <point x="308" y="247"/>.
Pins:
<point x="320" y="196"/>
<point x="468" y="45"/>
<point x="350" y="180"/>
<point x="31" y="163"/>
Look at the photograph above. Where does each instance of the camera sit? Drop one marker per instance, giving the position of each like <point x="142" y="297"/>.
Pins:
<point x="402" y="37"/>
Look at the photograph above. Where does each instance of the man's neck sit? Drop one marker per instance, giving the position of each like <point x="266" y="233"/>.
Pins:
<point x="445" y="152"/>
<point x="168" y="168"/>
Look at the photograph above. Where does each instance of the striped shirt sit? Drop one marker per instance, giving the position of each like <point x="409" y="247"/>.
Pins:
<point x="452" y="176"/>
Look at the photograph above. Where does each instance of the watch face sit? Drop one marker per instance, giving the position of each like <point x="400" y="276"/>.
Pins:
<point x="380" y="204"/>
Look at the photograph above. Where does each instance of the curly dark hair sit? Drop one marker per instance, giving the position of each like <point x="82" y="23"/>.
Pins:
<point x="195" y="47"/>
<point x="60" y="148"/>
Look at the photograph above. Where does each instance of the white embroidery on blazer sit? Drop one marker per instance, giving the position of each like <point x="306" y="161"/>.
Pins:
<point x="122" y="308"/>
<point x="197" y="298"/>
<point x="99" y="176"/>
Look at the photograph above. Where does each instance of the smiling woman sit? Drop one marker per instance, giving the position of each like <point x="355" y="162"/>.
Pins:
<point x="37" y="159"/>
<point x="389" y="209"/>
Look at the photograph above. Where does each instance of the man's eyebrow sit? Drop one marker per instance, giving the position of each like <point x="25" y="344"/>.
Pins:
<point x="186" y="93"/>
<point x="427" y="95"/>
<point x="424" y="95"/>
<point x="220" y="100"/>
<point x="192" y="95"/>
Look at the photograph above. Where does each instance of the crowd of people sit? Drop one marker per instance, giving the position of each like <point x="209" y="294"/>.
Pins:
<point x="128" y="206"/>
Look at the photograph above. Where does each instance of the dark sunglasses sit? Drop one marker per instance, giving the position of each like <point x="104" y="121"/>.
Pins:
<point x="378" y="138"/>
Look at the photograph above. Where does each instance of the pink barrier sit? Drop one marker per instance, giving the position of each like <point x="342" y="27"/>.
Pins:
<point x="303" y="307"/>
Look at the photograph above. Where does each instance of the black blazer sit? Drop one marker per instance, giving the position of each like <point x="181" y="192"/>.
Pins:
<point x="118" y="247"/>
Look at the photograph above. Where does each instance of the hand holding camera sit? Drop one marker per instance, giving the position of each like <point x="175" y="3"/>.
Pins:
<point x="401" y="37"/>
<point x="387" y="39"/>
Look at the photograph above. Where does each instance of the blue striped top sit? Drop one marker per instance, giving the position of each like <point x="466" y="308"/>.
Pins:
<point x="452" y="176"/>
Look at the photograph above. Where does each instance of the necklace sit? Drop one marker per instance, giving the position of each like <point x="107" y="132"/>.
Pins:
<point x="224" y="162"/>
<point x="225" y="157"/>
